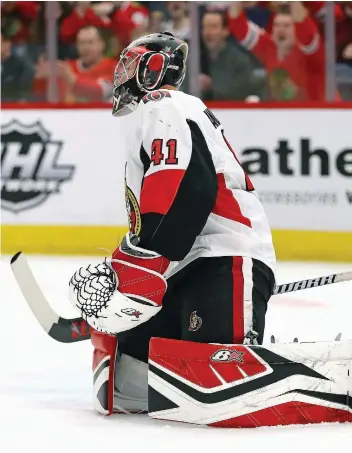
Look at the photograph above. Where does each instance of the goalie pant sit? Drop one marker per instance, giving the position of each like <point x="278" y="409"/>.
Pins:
<point x="212" y="300"/>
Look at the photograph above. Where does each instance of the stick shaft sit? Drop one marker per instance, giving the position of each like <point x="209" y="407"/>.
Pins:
<point x="313" y="282"/>
<point x="76" y="329"/>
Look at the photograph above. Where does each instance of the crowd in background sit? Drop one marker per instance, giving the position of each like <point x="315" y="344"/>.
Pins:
<point x="248" y="50"/>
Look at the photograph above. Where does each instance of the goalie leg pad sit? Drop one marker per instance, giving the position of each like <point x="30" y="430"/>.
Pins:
<point x="105" y="349"/>
<point x="250" y="386"/>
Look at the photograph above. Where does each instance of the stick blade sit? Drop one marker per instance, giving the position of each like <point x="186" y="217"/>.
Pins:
<point x="70" y="330"/>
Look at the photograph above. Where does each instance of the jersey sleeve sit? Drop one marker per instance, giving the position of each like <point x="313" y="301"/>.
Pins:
<point x="179" y="187"/>
<point x="310" y="43"/>
<point x="251" y="36"/>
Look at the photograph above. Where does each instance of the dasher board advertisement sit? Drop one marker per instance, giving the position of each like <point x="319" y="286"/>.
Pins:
<point x="300" y="162"/>
<point x="66" y="167"/>
<point x="62" y="168"/>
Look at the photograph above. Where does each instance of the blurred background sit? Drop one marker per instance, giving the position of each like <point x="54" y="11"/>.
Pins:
<point x="268" y="51"/>
<point x="278" y="75"/>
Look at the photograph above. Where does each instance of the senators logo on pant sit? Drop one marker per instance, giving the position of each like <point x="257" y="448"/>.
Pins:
<point x="195" y="322"/>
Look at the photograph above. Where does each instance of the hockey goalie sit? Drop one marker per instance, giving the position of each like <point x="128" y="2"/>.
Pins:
<point x="178" y="311"/>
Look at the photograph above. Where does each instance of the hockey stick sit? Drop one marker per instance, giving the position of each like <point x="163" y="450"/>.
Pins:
<point x="76" y="329"/>
<point x="313" y="282"/>
<point x="61" y="329"/>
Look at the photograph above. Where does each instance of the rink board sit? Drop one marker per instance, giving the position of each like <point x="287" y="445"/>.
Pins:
<point x="62" y="187"/>
<point x="96" y="240"/>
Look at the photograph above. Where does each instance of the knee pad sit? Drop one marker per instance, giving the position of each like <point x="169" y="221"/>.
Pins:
<point x="131" y="385"/>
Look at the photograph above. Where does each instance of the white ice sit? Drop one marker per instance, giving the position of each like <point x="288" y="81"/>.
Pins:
<point x="45" y="386"/>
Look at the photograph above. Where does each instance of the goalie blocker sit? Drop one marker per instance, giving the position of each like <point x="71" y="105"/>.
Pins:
<point x="237" y="386"/>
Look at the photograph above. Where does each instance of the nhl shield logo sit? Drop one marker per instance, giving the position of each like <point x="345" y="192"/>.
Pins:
<point x="30" y="171"/>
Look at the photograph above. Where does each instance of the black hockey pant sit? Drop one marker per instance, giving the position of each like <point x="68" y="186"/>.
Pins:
<point x="212" y="300"/>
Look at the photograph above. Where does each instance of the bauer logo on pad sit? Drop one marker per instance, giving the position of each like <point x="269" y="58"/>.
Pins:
<point x="30" y="169"/>
<point x="227" y="355"/>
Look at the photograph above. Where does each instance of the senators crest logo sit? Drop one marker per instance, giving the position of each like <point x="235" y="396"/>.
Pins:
<point x="156" y="96"/>
<point x="133" y="211"/>
<point x="195" y="322"/>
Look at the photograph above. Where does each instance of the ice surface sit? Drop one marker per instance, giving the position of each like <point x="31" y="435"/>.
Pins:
<point x="45" y="386"/>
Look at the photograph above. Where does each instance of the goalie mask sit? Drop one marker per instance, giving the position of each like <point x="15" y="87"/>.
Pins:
<point x="145" y="65"/>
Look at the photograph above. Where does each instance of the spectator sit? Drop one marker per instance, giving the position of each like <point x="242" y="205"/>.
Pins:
<point x="87" y="79"/>
<point x="257" y="14"/>
<point x="39" y="33"/>
<point x="17" y="19"/>
<point x="157" y="14"/>
<point x="216" y="6"/>
<point x="229" y="67"/>
<point x="293" y="55"/>
<point x="126" y="17"/>
<point x="81" y="16"/>
<point x="344" y="36"/>
<point x="16" y="74"/>
<point x="315" y="9"/>
<point x="344" y="53"/>
<point x="139" y="32"/>
<point x="179" y="24"/>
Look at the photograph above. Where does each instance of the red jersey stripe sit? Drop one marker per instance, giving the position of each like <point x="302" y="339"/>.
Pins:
<point x="226" y="204"/>
<point x="238" y="300"/>
<point x="159" y="191"/>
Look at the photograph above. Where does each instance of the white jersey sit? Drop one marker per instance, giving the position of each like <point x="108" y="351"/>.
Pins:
<point x="187" y="195"/>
